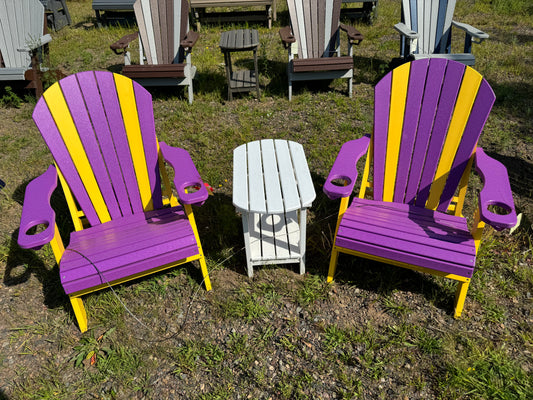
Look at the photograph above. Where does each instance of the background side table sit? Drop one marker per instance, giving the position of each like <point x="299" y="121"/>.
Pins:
<point x="235" y="41"/>
<point x="272" y="187"/>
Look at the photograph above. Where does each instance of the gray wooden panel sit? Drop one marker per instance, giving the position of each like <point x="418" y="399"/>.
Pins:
<point x="156" y="26"/>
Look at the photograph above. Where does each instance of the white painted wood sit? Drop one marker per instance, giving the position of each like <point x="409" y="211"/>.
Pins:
<point x="256" y="186"/>
<point x="268" y="250"/>
<point x="281" y="239"/>
<point x="274" y="199"/>
<point x="293" y="233"/>
<point x="433" y="21"/>
<point x="303" y="226"/>
<point x="303" y="176"/>
<point x="289" y="187"/>
<point x="177" y="29"/>
<point x="301" y="29"/>
<point x="327" y="27"/>
<point x="240" y="179"/>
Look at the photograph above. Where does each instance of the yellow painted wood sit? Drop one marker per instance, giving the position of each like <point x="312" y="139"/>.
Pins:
<point x="365" y="184"/>
<point x="400" y="82"/>
<point x="403" y="265"/>
<point x="65" y="124"/>
<point x="168" y="196"/>
<point x="203" y="265"/>
<point x="463" y="107"/>
<point x="332" y="264"/>
<point x="460" y="297"/>
<point x="477" y="229"/>
<point x="79" y="312"/>
<point x="75" y="214"/>
<point x="128" y="106"/>
<point x="57" y="245"/>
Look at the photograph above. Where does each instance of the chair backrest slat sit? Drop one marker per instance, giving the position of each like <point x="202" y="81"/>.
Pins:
<point x="21" y="23"/>
<point x="100" y="130"/>
<point x="315" y="25"/>
<point x="162" y="25"/>
<point x="428" y="117"/>
<point x="432" y="19"/>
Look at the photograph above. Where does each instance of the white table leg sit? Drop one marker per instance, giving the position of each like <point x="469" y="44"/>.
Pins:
<point x="303" y="222"/>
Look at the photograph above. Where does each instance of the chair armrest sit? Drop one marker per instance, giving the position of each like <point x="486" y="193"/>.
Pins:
<point x="405" y="31"/>
<point x="36" y="43"/>
<point x="185" y="175"/>
<point x="496" y="192"/>
<point x="354" y="36"/>
<point x="470" y="30"/>
<point x="37" y="210"/>
<point x="189" y="40"/>
<point x="123" y="42"/>
<point x="287" y="38"/>
<point x="345" y="168"/>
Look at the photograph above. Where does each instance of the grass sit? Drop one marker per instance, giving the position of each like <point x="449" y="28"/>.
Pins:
<point x="377" y="332"/>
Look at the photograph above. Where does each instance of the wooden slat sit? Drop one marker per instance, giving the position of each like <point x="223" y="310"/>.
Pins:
<point x="303" y="177"/>
<point x="256" y="185"/>
<point x="448" y="96"/>
<point x="268" y="248"/>
<point x="274" y="196"/>
<point x="323" y="64"/>
<point x="291" y="197"/>
<point x="400" y="80"/>
<point x="417" y="83"/>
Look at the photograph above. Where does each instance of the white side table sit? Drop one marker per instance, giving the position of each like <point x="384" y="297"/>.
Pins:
<point x="272" y="188"/>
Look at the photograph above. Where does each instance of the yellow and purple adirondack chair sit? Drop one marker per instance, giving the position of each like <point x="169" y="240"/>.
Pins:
<point x="100" y="130"/>
<point x="428" y="118"/>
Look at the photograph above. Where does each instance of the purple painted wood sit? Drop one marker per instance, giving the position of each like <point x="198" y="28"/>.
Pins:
<point x="394" y="234"/>
<point x="44" y="121"/>
<point x="125" y="247"/>
<point x="108" y="93"/>
<point x="448" y="97"/>
<point x="83" y="121"/>
<point x="90" y="90"/>
<point x="436" y="71"/>
<point x="345" y="167"/>
<point x="37" y="210"/>
<point x="478" y="116"/>
<point x="146" y="121"/>
<point x="185" y="176"/>
<point x="417" y="83"/>
<point x="382" y="94"/>
<point x="496" y="191"/>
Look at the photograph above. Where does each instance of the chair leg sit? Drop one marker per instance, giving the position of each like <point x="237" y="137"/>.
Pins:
<point x="290" y="90"/>
<point x="79" y="312"/>
<point x="332" y="264"/>
<point x="350" y="87"/>
<point x="191" y="96"/>
<point x="460" y="297"/>
<point x="205" y="273"/>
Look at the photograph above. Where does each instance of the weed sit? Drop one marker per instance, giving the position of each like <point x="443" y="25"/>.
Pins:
<point x="312" y="289"/>
<point x="10" y="99"/>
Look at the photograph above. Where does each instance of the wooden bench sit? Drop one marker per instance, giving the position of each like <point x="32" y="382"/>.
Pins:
<point x="111" y="7"/>
<point x="198" y="7"/>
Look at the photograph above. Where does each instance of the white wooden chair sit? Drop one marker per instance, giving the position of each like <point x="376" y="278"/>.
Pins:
<point x="22" y="40"/>
<point x="426" y="31"/>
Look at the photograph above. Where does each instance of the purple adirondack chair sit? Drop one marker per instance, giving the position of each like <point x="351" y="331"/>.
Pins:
<point x="428" y="117"/>
<point x="100" y="130"/>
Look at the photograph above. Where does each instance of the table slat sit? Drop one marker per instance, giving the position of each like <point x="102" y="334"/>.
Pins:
<point x="274" y="197"/>
<point x="303" y="176"/>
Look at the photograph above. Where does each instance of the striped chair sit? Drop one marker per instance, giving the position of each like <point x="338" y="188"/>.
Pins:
<point x="314" y="38"/>
<point x="166" y="45"/>
<point x="426" y="31"/>
<point x="100" y="130"/>
<point x="428" y="118"/>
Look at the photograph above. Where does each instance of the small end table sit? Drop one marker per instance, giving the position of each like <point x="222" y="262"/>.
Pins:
<point x="272" y="188"/>
<point x="235" y="41"/>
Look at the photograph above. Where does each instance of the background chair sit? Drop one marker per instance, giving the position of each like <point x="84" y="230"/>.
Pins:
<point x="57" y="14"/>
<point x="166" y="45"/>
<point x="426" y="31"/>
<point x="100" y="130"/>
<point x="428" y="118"/>
<point x="23" y="42"/>
<point x="314" y="37"/>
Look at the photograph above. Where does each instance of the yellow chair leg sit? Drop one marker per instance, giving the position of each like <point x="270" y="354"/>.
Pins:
<point x="203" y="267"/>
<point x="79" y="312"/>
<point x="460" y="297"/>
<point x="332" y="264"/>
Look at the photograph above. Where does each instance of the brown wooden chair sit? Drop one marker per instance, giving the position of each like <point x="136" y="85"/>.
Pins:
<point x="166" y="45"/>
<point x="314" y="38"/>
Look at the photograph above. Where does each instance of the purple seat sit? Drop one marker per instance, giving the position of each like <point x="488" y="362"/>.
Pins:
<point x="100" y="130"/>
<point x="428" y="117"/>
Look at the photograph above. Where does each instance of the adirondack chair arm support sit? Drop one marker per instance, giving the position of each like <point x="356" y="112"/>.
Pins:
<point x="470" y="30"/>
<point x="345" y="168"/>
<point x="35" y="44"/>
<point x="354" y="36"/>
<point x="186" y="175"/>
<point x="405" y="31"/>
<point x="38" y="211"/>
<point x="496" y="191"/>
<point x="287" y="38"/>
<point x="190" y="40"/>
<point x="120" y="46"/>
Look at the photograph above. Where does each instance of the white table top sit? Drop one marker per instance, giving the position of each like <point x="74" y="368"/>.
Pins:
<point x="271" y="177"/>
